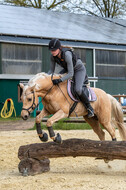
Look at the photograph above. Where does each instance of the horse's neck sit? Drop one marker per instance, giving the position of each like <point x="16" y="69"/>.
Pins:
<point x="52" y="89"/>
<point x="43" y="86"/>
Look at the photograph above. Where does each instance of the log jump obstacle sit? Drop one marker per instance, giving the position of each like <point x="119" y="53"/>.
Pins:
<point x="35" y="157"/>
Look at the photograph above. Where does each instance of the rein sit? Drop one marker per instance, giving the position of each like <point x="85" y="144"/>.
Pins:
<point x="74" y="104"/>
<point x="34" y="106"/>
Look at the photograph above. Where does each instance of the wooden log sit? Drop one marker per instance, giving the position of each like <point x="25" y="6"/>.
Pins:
<point x="31" y="166"/>
<point x="75" y="147"/>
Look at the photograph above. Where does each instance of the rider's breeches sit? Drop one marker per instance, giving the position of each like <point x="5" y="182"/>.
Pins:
<point x="79" y="77"/>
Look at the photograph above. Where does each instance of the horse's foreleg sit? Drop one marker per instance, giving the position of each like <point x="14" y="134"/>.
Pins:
<point x="57" y="116"/>
<point x="42" y="114"/>
<point x="42" y="135"/>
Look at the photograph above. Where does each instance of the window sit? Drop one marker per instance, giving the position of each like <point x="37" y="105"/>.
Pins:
<point x="81" y="53"/>
<point x="110" y="64"/>
<point x="21" y="59"/>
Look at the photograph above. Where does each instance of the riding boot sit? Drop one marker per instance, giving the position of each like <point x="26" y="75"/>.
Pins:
<point x="87" y="105"/>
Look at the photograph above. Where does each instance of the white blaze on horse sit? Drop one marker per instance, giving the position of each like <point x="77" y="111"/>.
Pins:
<point x="56" y="101"/>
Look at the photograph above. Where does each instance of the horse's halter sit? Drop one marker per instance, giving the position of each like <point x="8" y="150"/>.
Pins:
<point x="33" y="106"/>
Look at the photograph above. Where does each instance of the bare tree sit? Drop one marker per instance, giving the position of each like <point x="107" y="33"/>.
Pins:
<point x="103" y="8"/>
<point x="37" y="3"/>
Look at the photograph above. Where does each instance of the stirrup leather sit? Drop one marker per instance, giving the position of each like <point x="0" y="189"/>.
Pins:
<point x="90" y="113"/>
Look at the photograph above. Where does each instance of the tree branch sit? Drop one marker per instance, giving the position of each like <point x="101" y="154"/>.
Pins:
<point x="31" y="3"/>
<point x="54" y="4"/>
<point x="99" y="7"/>
<point x="115" y="8"/>
<point x="83" y="9"/>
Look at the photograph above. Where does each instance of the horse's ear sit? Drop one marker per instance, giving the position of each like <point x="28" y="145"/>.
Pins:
<point x="21" y="85"/>
<point x="32" y="88"/>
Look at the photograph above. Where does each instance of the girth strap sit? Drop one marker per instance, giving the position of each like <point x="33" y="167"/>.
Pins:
<point x="72" y="108"/>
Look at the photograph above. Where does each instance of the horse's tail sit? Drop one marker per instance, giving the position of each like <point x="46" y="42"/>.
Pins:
<point x="117" y="116"/>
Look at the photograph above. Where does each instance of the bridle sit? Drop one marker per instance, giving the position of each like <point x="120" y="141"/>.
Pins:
<point x="34" y="106"/>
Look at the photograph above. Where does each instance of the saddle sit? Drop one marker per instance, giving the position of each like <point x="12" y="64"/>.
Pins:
<point x="73" y="95"/>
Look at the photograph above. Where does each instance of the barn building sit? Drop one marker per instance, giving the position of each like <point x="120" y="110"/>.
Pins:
<point x="26" y="32"/>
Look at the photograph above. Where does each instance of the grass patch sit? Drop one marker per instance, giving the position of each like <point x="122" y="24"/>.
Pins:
<point x="10" y="119"/>
<point x="66" y="126"/>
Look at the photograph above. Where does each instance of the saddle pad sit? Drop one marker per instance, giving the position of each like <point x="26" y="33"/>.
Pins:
<point x="92" y="96"/>
<point x="69" y="90"/>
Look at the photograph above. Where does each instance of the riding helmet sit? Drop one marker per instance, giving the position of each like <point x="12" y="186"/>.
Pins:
<point x="54" y="44"/>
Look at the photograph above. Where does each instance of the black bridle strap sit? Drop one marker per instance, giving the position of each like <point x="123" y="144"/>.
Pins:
<point x="52" y="77"/>
<point x="47" y="92"/>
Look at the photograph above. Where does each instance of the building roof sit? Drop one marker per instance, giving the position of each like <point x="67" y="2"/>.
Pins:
<point x="41" y="23"/>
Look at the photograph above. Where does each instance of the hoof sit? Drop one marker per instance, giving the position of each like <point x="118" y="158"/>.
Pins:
<point x="114" y="139"/>
<point x="44" y="138"/>
<point x="58" y="139"/>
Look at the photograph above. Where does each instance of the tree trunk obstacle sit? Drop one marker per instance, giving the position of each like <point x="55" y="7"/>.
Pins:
<point x="35" y="157"/>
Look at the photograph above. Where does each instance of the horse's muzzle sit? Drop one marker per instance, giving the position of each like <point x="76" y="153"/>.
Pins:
<point x="25" y="117"/>
<point x="25" y="114"/>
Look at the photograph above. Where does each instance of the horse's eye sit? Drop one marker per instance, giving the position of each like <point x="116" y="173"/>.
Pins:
<point x="29" y="99"/>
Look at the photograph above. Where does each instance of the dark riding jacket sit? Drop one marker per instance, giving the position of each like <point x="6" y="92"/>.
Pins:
<point x="69" y="62"/>
<point x="62" y="62"/>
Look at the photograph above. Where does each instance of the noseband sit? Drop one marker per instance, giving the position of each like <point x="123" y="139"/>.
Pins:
<point x="33" y="106"/>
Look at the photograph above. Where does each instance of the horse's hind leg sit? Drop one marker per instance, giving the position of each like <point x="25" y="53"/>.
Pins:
<point x="94" y="123"/>
<point x="110" y="129"/>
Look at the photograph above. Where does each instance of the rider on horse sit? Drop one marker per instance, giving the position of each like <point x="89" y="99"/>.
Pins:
<point x="75" y="69"/>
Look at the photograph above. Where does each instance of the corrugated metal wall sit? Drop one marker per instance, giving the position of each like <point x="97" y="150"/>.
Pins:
<point x="89" y="62"/>
<point x="0" y="58"/>
<point x="113" y="87"/>
<point x="45" y="59"/>
<point x="9" y="87"/>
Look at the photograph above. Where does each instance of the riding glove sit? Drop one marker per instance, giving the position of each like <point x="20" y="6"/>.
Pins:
<point x="56" y="81"/>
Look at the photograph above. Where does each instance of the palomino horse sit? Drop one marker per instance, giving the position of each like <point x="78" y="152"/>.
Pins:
<point x="56" y="101"/>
